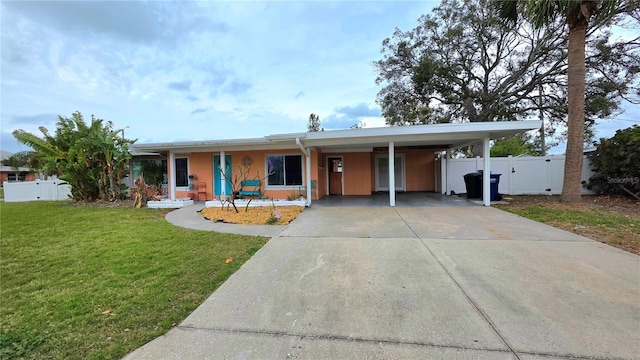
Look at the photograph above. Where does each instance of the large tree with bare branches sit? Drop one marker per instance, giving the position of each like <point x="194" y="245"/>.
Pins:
<point x="464" y="63"/>
<point x="576" y="16"/>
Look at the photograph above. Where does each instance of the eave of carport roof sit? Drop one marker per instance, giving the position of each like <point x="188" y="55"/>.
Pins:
<point x="436" y="135"/>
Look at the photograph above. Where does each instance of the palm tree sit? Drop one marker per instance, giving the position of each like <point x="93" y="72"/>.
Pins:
<point x="577" y="14"/>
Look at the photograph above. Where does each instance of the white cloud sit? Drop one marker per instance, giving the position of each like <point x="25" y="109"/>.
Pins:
<point x="195" y="70"/>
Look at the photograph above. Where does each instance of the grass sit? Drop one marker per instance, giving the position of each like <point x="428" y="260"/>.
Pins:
<point x="619" y="227"/>
<point x="96" y="283"/>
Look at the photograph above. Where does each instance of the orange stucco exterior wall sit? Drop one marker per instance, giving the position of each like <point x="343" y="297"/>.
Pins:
<point x="259" y="168"/>
<point x="419" y="170"/>
<point x="318" y="172"/>
<point x="358" y="171"/>
<point x="201" y="165"/>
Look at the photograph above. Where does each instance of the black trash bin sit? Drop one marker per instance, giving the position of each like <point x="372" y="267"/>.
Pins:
<point x="473" y="183"/>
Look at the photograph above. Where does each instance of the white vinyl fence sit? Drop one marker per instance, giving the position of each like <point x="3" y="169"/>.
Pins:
<point x="531" y="175"/>
<point x="36" y="190"/>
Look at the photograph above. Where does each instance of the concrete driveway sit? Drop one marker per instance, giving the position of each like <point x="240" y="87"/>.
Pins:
<point x="418" y="282"/>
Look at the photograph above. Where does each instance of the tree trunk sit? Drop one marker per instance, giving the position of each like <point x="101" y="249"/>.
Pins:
<point x="113" y="192"/>
<point x="571" y="185"/>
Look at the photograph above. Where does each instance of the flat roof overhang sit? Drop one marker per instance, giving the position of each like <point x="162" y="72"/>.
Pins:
<point x="437" y="136"/>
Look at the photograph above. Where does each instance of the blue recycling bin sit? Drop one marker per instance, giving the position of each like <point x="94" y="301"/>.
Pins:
<point x="494" y="182"/>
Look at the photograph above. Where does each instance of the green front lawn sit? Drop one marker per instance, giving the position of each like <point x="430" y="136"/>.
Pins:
<point x="611" y="220"/>
<point x="81" y="282"/>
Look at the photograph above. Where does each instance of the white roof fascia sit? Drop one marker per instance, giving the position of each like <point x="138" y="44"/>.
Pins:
<point x="248" y="147"/>
<point x="214" y="145"/>
<point x="435" y="138"/>
<point x="133" y="152"/>
<point x="5" y="168"/>
<point x="288" y="136"/>
<point x="432" y="129"/>
<point x="202" y="143"/>
<point x="467" y="143"/>
<point x="347" y="150"/>
<point x="441" y="133"/>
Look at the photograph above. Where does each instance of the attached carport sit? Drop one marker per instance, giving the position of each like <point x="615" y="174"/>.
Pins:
<point x="440" y="137"/>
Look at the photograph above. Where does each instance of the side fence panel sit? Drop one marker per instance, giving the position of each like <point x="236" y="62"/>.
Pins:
<point x="459" y="167"/>
<point x="529" y="175"/>
<point x="520" y="176"/>
<point x="45" y="190"/>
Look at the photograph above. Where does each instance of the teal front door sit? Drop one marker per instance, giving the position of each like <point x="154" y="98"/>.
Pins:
<point x="217" y="177"/>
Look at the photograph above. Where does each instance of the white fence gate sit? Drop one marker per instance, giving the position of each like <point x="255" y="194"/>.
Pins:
<point x="45" y="190"/>
<point x="531" y="175"/>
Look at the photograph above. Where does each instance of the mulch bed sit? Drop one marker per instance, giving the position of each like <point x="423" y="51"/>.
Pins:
<point x="259" y="215"/>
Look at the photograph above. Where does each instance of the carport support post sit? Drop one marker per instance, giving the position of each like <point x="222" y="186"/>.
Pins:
<point x="223" y="175"/>
<point x="308" y="168"/>
<point x="307" y="153"/>
<point x="447" y="173"/>
<point x="486" y="178"/>
<point x="392" y="176"/>
<point x="170" y="176"/>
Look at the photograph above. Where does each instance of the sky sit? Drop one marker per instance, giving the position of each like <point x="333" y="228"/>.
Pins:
<point x="199" y="70"/>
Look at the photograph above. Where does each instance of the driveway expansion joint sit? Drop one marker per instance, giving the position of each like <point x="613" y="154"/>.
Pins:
<point x="475" y="305"/>
<point x="276" y="333"/>
<point x="568" y="356"/>
<point x="589" y="241"/>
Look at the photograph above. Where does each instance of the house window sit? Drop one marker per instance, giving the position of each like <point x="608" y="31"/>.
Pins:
<point x="284" y="170"/>
<point x="182" y="172"/>
<point x="154" y="171"/>
<point x="16" y="176"/>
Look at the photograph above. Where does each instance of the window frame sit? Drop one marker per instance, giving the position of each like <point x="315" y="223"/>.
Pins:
<point x="285" y="186"/>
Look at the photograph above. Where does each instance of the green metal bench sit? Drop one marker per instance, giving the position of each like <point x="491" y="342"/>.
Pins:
<point x="252" y="188"/>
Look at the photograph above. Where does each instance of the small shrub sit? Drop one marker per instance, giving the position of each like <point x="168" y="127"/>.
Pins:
<point x="272" y="219"/>
<point x="294" y="196"/>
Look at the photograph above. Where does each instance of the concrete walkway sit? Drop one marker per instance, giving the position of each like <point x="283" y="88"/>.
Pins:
<point x="418" y="283"/>
<point x="189" y="217"/>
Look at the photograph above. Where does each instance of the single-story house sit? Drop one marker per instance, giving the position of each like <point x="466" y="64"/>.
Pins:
<point x="8" y="173"/>
<point x="339" y="162"/>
